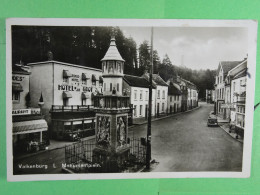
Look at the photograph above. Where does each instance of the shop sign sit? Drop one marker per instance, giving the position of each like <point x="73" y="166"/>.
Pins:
<point x="17" y="78"/>
<point x="68" y="88"/>
<point x="75" y="77"/>
<point x="34" y="111"/>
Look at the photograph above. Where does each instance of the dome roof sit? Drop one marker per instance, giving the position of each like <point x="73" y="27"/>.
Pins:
<point x="112" y="52"/>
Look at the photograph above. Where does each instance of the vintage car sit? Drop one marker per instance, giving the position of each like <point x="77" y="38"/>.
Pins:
<point x="212" y="120"/>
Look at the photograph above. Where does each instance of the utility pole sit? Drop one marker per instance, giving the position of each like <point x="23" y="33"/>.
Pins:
<point x="148" y="145"/>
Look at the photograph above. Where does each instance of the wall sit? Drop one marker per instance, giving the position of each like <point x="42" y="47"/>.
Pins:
<point x="75" y="82"/>
<point x="160" y="100"/>
<point x="22" y="79"/>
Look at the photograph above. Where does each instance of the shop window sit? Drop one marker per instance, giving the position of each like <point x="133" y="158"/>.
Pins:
<point x="16" y="96"/>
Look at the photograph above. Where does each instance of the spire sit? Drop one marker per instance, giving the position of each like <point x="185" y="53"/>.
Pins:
<point x="112" y="52"/>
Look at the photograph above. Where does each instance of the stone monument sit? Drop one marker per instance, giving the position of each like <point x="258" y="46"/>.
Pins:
<point x="112" y="107"/>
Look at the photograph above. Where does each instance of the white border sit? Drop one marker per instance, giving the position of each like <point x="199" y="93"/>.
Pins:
<point x="251" y="25"/>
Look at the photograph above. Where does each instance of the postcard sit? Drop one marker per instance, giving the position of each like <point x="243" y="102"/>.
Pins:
<point x="129" y="98"/>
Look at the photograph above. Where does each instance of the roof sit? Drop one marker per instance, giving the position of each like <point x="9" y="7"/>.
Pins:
<point x="242" y="73"/>
<point x="228" y="65"/>
<point x="158" y="80"/>
<point x="136" y="81"/>
<point x="112" y="52"/>
<point x="19" y="70"/>
<point x="172" y="90"/>
<point x="189" y="84"/>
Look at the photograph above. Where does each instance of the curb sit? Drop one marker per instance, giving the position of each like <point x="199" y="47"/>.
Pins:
<point x="239" y="140"/>
<point x="168" y="116"/>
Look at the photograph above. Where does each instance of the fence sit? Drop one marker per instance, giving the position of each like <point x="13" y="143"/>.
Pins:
<point x="82" y="152"/>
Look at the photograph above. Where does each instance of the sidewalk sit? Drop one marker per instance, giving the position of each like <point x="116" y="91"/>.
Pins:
<point x="161" y="117"/>
<point x="54" y="145"/>
<point x="225" y="127"/>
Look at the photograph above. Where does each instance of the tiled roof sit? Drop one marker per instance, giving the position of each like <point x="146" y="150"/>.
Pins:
<point x="158" y="80"/>
<point x="112" y="52"/>
<point x="172" y="90"/>
<point x="228" y="65"/>
<point x="136" y="81"/>
<point x="242" y="73"/>
<point x="19" y="70"/>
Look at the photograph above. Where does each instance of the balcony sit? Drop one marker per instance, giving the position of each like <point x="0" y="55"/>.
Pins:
<point x="71" y="108"/>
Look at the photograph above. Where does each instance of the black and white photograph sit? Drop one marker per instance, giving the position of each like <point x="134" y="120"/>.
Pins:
<point x="129" y="98"/>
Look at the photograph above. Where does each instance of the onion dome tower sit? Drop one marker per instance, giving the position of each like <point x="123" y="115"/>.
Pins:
<point x="112" y="108"/>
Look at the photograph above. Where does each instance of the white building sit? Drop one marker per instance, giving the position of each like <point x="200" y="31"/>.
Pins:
<point x="238" y="95"/>
<point x="138" y="90"/>
<point x="174" y="98"/>
<point x="161" y="98"/>
<point x="28" y="124"/>
<point x="222" y="71"/>
<point x="68" y="91"/>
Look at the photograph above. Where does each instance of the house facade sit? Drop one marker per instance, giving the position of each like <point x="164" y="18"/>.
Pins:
<point x="138" y="90"/>
<point x="174" y="99"/>
<point x="68" y="91"/>
<point x="220" y="86"/>
<point x="28" y="123"/>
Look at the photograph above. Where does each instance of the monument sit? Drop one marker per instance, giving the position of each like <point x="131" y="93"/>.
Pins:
<point x="112" y="107"/>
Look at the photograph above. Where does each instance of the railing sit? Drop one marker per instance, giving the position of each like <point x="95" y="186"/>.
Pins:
<point x="111" y="102"/>
<point x="71" y="108"/>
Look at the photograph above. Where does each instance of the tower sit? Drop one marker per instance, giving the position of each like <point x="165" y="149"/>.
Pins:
<point x="112" y="145"/>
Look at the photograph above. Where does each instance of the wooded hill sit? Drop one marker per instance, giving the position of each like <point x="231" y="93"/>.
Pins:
<point x="86" y="46"/>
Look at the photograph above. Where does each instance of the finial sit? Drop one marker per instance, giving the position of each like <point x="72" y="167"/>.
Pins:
<point x="113" y="33"/>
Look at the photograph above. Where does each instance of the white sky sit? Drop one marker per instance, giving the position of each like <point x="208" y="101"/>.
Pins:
<point x="201" y="47"/>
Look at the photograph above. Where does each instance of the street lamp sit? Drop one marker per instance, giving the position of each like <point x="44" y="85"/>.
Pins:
<point x="148" y="145"/>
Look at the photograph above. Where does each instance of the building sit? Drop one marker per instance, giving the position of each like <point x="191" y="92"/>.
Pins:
<point x="209" y="96"/>
<point x="237" y="77"/>
<point x="138" y="90"/>
<point x="222" y="71"/>
<point x="174" y="99"/>
<point x="192" y="94"/>
<point x="29" y="127"/>
<point x="161" y="93"/>
<point x="68" y="91"/>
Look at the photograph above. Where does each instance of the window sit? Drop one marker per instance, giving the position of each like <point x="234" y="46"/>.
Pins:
<point x="16" y="96"/>
<point x="110" y="86"/>
<point x="162" y="107"/>
<point x="141" y="107"/>
<point x="65" y="79"/>
<point x="234" y="86"/>
<point x="163" y="94"/>
<point x="65" y="102"/>
<point x="94" y="83"/>
<point x="117" y="86"/>
<point x="84" y="102"/>
<point x="135" y="95"/>
<point x="146" y="95"/>
<point x="100" y="84"/>
<point x="135" y="111"/>
<point x="171" y="99"/>
<point x="84" y="82"/>
<point x="177" y="98"/>
<point x="105" y="87"/>
<point x="158" y="95"/>
<point x="141" y="95"/>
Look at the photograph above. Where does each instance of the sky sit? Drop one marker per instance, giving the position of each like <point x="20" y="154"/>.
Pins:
<point x="194" y="47"/>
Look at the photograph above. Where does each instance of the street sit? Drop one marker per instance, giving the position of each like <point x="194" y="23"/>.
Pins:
<point x="185" y="143"/>
<point x="179" y="143"/>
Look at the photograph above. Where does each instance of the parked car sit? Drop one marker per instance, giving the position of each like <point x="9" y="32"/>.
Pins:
<point x="212" y="119"/>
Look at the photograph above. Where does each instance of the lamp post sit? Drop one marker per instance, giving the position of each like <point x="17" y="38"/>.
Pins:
<point x="148" y="145"/>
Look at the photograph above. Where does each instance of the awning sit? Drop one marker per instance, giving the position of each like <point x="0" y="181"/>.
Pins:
<point x="29" y="126"/>
<point x="84" y="76"/>
<point x="84" y="95"/>
<point x="66" y="74"/>
<point x="17" y="87"/>
<point x="94" y="77"/>
<point x="100" y="79"/>
<point x="66" y="95"/>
